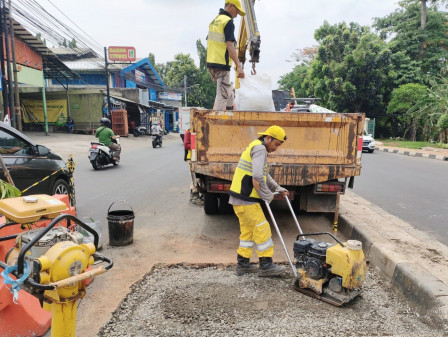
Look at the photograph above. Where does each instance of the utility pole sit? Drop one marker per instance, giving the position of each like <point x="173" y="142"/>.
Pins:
<point x="185" y="88"/>
<point x="2" y="67"/>
<point x="8" y="64"/>
<point x="14" y="68"/>
<point x="107" y="81"/>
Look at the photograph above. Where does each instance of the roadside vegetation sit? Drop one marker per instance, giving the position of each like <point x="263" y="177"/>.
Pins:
<point x="410" y="144"/>
<point x="394" y="71"/>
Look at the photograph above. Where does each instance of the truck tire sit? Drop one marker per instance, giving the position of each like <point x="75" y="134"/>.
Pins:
<point x="210" y="203"/>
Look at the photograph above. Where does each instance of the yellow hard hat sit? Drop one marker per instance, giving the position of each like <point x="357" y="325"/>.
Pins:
<point x="237" y="4"/>
<point x="274" y="131"/>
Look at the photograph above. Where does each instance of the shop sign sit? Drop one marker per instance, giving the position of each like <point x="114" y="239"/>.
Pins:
<point x="170" y="96"/>
<point x="122" y="53"/>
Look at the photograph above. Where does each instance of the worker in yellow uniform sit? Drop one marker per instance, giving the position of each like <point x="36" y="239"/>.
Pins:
<point x="221" y="51"/>
<point x="251" y="185"/>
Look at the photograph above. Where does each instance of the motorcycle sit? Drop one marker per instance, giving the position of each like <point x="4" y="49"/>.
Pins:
<point x="100" y="155"/>
<point x="156" y="140"/>
<point x="139" y="130"/>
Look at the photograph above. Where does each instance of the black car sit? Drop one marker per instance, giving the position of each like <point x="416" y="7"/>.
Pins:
<point x="29" y="163"/>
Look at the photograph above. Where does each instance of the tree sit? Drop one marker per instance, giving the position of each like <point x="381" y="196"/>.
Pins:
<point x="399" y="109"/>
<point x="418" y="37"/>
<point x="432" y="108"/>
<point x="201" y="89"/>
<point x="442" y="127"/>
<point x="152" y="59"/>
<point x="208" y="87"/>
<point x="295" y="79"/>
<point x="351" y="69"/>
<point x="63" y="43"/>
<point x="72" y="43"/>
<point x="39" y="37"/>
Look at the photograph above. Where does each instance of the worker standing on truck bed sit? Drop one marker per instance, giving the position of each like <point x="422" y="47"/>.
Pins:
<point x="221" y="51"/>
<point x="251" y="184"/>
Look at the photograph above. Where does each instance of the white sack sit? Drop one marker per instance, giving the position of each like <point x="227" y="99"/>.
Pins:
<point x="254" y="94"/>
<point x="319" y="109"/>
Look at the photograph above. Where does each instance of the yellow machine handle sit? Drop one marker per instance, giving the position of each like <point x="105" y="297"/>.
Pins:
<point x="78" y="278"/>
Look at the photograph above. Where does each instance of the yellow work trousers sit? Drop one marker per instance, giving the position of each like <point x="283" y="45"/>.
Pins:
<point x="255" y="230"/>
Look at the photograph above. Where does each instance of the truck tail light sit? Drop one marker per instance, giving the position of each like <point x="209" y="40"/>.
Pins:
<point x="219" y="187"/>
<point x="193" y="147"/>
<point x="359" y="150"/>
<point x="330" y="188"/>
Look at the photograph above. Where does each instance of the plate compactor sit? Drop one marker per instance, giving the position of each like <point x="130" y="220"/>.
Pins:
<point x="332" y="273"/>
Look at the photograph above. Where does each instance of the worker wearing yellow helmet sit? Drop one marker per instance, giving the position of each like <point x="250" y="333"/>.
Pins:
<point x="252" y="184"/>
<point x="221" y="51"/>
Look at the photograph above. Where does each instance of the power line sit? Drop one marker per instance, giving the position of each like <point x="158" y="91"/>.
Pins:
<point x="38" y="20"/>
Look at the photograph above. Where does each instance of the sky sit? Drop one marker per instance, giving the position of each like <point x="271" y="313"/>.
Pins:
<point x="168" y="27"/>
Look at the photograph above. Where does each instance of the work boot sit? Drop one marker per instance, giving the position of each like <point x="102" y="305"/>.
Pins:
<point x="196" y="199"/>
<point x="244" y="266"/>
<point x="268" y="268"/>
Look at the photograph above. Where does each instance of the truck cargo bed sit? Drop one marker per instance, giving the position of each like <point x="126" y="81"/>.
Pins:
<point x="319" y="146"/>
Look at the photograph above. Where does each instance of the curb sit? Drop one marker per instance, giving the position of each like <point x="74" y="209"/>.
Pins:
<point x="427" y="294"/>
<point x="412" y="153"/>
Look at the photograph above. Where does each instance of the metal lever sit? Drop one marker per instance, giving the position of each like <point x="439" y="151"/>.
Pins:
<point x="281" y="238"/>
<point x="294" y="216"/>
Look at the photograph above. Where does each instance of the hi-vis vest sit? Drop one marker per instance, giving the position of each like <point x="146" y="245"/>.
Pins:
<point x="217" y="53"/>
<point x="242" y="186"/>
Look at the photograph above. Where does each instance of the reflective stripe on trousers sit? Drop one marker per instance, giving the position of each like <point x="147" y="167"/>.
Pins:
<point x="254" y="230"/>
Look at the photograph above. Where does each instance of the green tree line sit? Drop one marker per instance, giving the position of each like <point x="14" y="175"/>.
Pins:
<point x="394" y="71"/>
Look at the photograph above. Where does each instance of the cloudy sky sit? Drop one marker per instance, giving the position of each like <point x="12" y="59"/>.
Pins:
<point x="168" y="27"/>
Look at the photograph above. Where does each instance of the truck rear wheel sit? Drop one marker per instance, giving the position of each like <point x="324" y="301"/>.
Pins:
<point x="210" y="203"/>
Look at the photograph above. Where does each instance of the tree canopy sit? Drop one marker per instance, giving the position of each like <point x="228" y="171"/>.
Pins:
<point x="418" y="44"/>
<point x="351" y="68"/>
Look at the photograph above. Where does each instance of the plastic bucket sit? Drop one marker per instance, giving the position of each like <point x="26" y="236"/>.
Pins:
<point x="121" y="225"/>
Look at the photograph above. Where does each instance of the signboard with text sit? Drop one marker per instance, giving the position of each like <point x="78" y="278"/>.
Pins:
<point x="139" y="76"/>
<point x="122" y="53"/>
<point x="170" y="96"/>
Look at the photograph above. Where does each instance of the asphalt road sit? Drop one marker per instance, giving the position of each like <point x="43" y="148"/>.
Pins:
<point x="413" y="189"/>
<point x="168" y="229"/>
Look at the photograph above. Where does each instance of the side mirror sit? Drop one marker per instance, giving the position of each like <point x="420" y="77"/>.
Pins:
<point x="42" y="150"/>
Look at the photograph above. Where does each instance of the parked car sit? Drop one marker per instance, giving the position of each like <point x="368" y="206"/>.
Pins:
<point x="368" y="143"/>
<point x="28" y="163"/>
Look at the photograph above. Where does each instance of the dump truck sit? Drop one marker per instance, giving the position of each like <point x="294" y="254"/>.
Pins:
<point x="317" y="162"/>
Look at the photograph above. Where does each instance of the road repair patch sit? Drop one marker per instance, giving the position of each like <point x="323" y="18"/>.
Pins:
<point x="210" y="300"/>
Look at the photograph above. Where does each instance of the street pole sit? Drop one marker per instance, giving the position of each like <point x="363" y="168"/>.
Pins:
<point x="44" y="105"/>
<point x="8" y="64"/>
<point x="14" y="69"/>
<point x="185" y="88"/>
<point x="107" y="81"/>
<point x="2" y="67"/>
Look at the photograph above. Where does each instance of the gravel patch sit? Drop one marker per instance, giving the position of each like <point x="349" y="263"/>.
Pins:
<point x="212" y="301"/>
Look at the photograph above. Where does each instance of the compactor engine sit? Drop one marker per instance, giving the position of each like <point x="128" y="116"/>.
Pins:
<point x="331" y="272"/>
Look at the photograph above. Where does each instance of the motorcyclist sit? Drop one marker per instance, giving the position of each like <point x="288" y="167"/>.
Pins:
<point x="106" y="136"/>
<point x="156" y="130"/>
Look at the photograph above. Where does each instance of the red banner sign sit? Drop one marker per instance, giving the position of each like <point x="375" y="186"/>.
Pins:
<point x="122" y="53"/>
